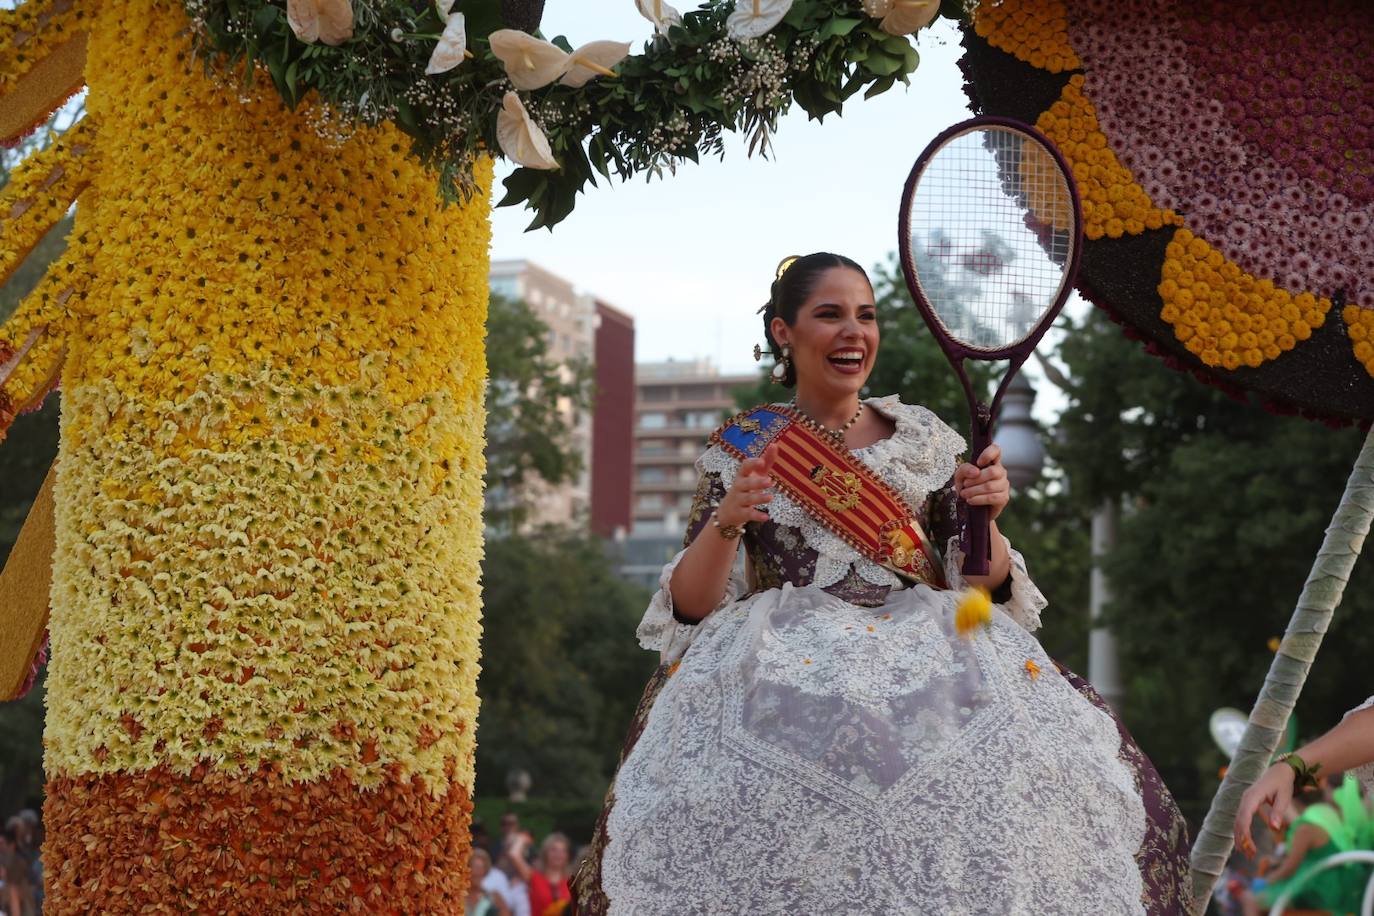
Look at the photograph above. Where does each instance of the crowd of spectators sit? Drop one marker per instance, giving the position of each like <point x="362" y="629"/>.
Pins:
<point x="21" y="865"/>
<point x="511" y="877"/>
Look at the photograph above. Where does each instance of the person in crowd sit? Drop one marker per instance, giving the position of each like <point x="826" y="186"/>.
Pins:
<point x="16" y="893"/>
<point x="854" y="697"/>
<point x="480" y="901"/>
<point x="514" y="862"/>
<point x="548" y="881"/>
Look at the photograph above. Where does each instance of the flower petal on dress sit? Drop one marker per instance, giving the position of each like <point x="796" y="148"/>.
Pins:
<point x="453" y="44"/>
<point x="755" y="18"/>
<point x="659" y="13"/>
<point x="521" y="139"/>
<point x="531" y="63"/>
<point x="595" y="58"/>
<point x="908" y="16"/>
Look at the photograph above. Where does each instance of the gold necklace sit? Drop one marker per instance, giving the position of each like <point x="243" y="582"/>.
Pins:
<point x="836" y="434"/>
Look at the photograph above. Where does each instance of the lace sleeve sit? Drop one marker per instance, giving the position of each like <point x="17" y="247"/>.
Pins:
<point x="1365" y="773"/>
<point x="661" y="629"/>
<point x="1019" y="597"/>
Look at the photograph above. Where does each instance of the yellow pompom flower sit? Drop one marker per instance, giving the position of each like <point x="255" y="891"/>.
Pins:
<point x="974" y="610"/>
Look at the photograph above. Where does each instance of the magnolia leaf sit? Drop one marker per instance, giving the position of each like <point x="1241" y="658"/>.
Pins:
<point x="531" y="63"/>
<point x="659" y="13"/>
<point x="520" y="138"/>
<point x="453" y="44"/>
<point x="908" y="16"/>
<point x="595" y="58"/>
<point x="755" y="18"/>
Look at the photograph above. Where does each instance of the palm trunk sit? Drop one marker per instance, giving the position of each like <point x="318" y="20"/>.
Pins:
<point x="1320" y="596"/>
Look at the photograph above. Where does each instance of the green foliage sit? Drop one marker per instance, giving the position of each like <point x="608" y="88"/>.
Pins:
<point x="561" y="672"/>
<point x="666" y="106"/>
<point x="21" y="750"/>
<point x="528" y="436"/>
<point x="1227" y="505"/>
<point x="574" y="817"/>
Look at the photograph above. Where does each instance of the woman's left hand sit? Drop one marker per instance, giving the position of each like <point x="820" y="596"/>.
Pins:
<point x="986" y="484"/>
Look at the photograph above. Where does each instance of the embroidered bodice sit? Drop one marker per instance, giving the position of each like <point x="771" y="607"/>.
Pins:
<point x="918" y="461"/>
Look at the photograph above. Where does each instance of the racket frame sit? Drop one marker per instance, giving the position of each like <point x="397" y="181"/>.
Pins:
<point x="977" y="540"/>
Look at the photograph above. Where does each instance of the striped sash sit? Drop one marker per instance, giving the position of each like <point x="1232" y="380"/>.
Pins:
<point x="837" y="489"/>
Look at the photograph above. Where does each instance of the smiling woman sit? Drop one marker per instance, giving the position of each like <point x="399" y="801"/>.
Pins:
<point x="842" y="696"/>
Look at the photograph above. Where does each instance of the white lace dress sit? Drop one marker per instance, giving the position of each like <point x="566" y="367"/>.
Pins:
<point x="832" y="745"/>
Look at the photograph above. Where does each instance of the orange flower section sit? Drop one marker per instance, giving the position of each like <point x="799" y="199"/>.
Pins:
<point x="1035" y="32"/>
<point x="1225" y="316"/>
<point x="209" y="842"/>
<point x="1113" y="203"/>
<point x="1359" y="326"/>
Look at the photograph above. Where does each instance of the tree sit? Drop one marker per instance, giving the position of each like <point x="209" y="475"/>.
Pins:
<point x="1227" y="507"/>
<point x="561" y="671"/>
<point x="529" y="402"/>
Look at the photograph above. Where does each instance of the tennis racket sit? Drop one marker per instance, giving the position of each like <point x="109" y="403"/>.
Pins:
<point x="989" y="235"/>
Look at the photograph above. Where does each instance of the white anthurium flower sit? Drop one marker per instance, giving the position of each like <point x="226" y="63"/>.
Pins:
<point x="531" y="63"/>
<point x="328" y="21"/>
<point x="595" y="58"/>
<point x="659" y="13"/>
<point x="444" y="7"/>
<point x="452" y="46"/>
<point x="908" y="16"/>
<point x="755" y="18"/>
<point x="521" y="139"/>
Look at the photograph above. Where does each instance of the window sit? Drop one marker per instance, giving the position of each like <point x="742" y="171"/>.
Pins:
<point x="648" y="502"/>
<point x="652" y="475"/>
<point x="653" y="421"/>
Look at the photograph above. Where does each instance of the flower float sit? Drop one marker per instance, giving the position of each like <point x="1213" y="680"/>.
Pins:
<point x="265" y="524"/>
<point x="1227" y="198"/>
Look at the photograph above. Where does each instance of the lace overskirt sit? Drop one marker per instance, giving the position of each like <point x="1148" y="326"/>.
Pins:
<point x="810" y="755"/>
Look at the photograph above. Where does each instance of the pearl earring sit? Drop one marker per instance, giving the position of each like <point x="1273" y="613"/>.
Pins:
<point x="782" y="366"/>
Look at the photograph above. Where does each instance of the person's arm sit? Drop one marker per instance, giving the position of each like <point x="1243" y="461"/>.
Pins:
<point x="1349" y="744"/>
<point x="701" y="576"/>
<point x="515" y="854"/>
<point x="1305" y="839"/>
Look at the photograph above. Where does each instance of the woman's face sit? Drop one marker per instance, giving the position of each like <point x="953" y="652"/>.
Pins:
<point x="556" y="856"/>
<point x="835" y="336"/>
<point x="478" y="868"/>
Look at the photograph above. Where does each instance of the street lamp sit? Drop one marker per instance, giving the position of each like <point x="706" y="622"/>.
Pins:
<point x="1019" y="435"/>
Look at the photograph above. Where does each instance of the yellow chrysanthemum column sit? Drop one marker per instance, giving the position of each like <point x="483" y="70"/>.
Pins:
<point x="265" y="604"/>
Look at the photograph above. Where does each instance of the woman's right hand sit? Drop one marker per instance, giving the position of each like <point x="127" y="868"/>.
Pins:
<point x="1274" y="790"/>
<point x="752" y="487"/>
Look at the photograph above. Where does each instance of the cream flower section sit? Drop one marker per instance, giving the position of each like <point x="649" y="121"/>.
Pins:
<point x="308" y="604"/>
<point x="902" y="17"/>
<point x="531" y="63"/>
<point x="755" y="18"/>
<point x="452" y="46"/>
<point x="521" y="139"/>
<point x="327" y="21"/>
<point x="659" y="13"/>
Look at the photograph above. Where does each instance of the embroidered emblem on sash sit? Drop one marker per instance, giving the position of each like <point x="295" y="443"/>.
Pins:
<point x="841" y="488"/>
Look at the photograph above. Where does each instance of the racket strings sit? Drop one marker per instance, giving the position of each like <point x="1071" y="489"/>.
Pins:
<point x="992" y="225"/>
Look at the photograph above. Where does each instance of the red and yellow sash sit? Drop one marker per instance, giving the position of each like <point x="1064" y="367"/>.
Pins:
<point x="837" y="489"/>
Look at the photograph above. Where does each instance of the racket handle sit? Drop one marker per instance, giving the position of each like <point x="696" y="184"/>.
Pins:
<point x="978" y="552"/>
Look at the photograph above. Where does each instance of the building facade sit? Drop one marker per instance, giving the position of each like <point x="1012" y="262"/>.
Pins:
<point x="677" y="406"/>
<point x="581" y="330"/>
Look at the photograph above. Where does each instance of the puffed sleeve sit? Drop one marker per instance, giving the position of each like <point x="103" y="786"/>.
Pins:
<point x="662" y="630"/>
<point x="1365" y="773"/>
<point x="1018" y="597"/>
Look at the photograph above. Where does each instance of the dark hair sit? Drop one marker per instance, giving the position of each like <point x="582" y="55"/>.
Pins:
<point x="792" y="286"/>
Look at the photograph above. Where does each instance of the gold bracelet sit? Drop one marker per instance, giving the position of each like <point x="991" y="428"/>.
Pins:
<point x="729" y="532"/>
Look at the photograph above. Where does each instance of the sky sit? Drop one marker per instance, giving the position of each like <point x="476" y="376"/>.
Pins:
<point x="692" y="256"/>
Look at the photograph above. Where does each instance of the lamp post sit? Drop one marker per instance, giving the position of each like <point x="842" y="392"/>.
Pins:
<point x="1018" y="434"/>
<point x="1023" y="456"/>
